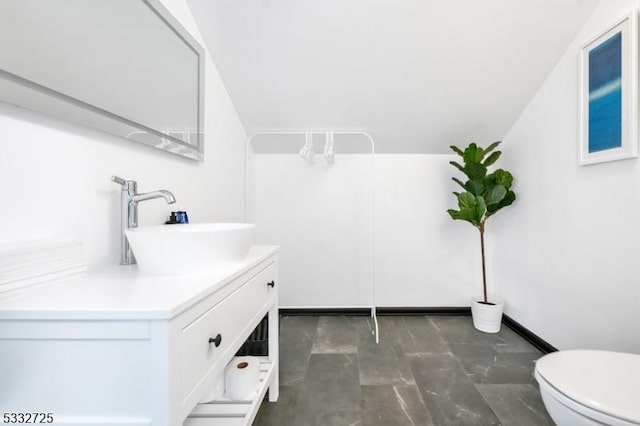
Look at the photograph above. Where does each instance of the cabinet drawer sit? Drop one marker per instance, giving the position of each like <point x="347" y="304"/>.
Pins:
<point x="206" y="341"/>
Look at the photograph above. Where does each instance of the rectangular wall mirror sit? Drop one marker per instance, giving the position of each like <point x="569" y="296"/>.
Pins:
<point x="126" y="67"/>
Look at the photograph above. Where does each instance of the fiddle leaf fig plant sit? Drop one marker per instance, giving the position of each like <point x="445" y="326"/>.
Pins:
<point x="483" y="194"/>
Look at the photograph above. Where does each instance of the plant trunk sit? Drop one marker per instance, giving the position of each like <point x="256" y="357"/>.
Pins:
<point x="484" y="271"/>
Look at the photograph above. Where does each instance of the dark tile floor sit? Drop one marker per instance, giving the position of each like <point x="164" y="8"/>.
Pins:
<point x="427" y="370"/>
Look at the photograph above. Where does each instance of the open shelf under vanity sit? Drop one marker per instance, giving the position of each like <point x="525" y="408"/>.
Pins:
<point x="225" y="412"/>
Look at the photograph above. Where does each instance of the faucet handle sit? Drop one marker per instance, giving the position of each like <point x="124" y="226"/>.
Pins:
<point x="127" y="185"/>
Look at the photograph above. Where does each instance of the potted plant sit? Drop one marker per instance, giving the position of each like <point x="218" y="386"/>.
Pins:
<point x="483" y="196"/>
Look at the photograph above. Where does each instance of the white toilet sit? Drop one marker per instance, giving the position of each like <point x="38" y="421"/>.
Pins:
<point x="588" y="387"/>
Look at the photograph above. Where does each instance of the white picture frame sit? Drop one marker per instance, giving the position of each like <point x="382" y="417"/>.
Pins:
<point x="609" y="94"/>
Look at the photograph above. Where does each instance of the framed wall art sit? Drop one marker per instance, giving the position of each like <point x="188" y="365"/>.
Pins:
<point x="609" y="94"/>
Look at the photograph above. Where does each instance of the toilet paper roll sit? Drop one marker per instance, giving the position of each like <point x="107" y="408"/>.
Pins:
<point x="241" y="378"/>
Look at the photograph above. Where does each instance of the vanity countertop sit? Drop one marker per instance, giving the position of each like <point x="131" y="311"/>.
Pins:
<point x="121" y="293"/>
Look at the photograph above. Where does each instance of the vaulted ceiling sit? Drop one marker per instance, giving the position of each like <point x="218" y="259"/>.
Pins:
<point x="419" y="75"/>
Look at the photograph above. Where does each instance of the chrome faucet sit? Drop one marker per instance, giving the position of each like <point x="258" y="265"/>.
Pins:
<point x="129" y="199"/>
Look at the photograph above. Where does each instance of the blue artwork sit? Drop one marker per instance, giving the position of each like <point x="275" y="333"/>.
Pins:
<point x="605" y="95"/>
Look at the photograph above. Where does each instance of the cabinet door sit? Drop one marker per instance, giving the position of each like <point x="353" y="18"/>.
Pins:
<point x="212" y="339"/>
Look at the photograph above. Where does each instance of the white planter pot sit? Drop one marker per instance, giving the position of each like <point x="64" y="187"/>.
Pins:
<point x="487" y="318"/>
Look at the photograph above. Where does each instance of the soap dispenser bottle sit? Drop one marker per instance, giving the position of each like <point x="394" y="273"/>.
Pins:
<point x="181" y="215"/>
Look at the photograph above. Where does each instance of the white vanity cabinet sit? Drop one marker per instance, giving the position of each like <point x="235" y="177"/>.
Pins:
<point x="120" y="349"/>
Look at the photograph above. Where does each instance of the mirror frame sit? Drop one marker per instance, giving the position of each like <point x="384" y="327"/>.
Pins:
<point x="197" y="152"/>
<point x="169" y="143"/>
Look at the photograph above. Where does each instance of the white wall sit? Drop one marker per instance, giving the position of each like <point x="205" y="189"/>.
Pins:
<point x="321" y="216"/>
<point x="55" y="176"/>
<point x="423" y="257"/>
<point x="567" y="253"/>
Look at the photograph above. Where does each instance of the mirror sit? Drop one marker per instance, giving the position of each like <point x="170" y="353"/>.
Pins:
<point x="126" y="67"/>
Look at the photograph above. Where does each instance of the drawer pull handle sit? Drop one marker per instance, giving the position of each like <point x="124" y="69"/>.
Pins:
<point x="216" y="341"/>
<point x="271" y="284"/>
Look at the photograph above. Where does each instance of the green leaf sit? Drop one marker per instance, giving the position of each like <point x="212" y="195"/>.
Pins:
<point x="466" y="215"/>
<point x="457" y="150"/>
<point x="475" y="170"/>
<point x="457" y="215"/>
<point x="503" y="177"/>
<point x="492" y="147"/>
<point x="459" y="182"/>
<point x="492" y="158"/>
<point x="480" y="210"/>
<point x="495" y="194"/>
<point x="472" y="209"/>
<point x="507" y="200"/>
<point x="466" y="200"/>
<point x="457" y="166"/>
<point x="473" y="154"/>
<point x="476" y="186"/>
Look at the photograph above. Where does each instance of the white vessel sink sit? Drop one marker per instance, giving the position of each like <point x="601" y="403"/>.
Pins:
<point x="184" y="249"/>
